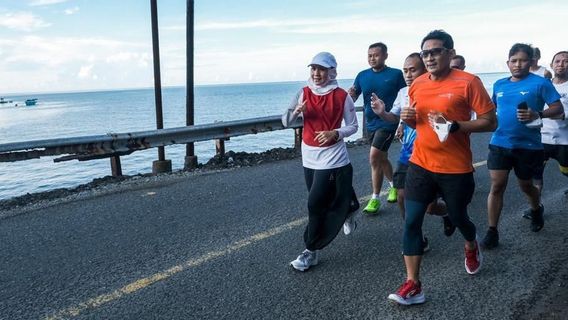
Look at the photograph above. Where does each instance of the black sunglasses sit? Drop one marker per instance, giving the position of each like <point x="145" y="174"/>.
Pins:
<point x="434" y="52"/>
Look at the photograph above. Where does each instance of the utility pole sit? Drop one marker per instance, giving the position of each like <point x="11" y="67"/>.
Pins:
<point x="190" y="157"/>
<point x="161" y="165"/>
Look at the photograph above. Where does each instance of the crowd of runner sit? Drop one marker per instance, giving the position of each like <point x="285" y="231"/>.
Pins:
<point x="432" y="106"/>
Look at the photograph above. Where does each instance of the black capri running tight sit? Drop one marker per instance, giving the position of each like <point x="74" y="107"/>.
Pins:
<point x="422" y="187"/>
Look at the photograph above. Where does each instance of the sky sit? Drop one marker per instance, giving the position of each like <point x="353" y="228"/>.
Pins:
<point x="82" y="45"/>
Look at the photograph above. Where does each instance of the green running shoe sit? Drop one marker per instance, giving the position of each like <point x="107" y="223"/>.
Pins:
<point x="372" y="206"/>
<point x="392" y="195"/>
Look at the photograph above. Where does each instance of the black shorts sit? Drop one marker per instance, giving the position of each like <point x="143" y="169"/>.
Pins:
<point x="399" y="175"/>
<point x="425" y="186"/>
<point x="381" y="139"/>
<point x="559" y="152"/>
<point x="527" y="163"/>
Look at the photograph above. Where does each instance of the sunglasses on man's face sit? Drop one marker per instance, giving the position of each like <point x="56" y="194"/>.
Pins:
<point x="434" y="52"/>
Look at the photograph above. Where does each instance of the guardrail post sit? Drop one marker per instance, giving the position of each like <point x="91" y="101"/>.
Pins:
<point x="298" y="138"/>
<point x="115" y="166"/>
<point x="220" y="147"/>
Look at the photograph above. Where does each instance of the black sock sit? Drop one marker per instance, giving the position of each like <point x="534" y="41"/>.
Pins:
<point x="494" y="229"/>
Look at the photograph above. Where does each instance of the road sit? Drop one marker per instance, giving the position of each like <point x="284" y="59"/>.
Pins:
<point x="217" y="246"/>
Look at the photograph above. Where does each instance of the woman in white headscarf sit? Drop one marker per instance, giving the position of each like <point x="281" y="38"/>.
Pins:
<point x="323" y="106"/>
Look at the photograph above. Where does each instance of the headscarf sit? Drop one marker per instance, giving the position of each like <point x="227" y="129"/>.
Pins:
<point x="326" y="60"/>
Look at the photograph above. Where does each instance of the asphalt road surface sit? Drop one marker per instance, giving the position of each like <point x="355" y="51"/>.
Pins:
<point x="218" y="246"/>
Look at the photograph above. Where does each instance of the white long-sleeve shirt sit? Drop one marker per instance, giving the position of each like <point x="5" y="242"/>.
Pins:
<point x="329" y="157"/>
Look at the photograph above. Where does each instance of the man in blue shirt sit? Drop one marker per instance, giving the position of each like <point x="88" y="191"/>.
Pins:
<point x="385" y="82"/>
<point x="516" y="144"/>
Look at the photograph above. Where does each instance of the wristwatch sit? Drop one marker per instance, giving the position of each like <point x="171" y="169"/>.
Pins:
<point x="455" y="126"/>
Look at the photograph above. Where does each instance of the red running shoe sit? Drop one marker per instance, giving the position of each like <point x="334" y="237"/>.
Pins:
<point x="409" y="293"/>
<point x="473" y="259"/>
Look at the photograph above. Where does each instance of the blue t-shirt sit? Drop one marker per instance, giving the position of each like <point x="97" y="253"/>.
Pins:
<point x="385" y="84"/>
<point x="507" y="95"/>
<point x="407" y="144"/>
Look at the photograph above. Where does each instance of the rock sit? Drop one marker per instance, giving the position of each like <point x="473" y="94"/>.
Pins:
<point x="231" y="159"/>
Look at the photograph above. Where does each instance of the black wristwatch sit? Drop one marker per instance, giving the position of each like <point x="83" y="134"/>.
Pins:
<point x="455" y="126"/>
<point x="539" y="114"/>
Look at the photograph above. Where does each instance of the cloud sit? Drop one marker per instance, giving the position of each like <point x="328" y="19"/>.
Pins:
<point x="45" y="63"/>
<point x="57" y="51"/>
<point x="36" y="3"/>
<point x="23" y="21"/>
<point x="70" y="11"/>
<point x="85" y="72"/>
<point x="259" y="24"/>
<point x="141" y="59"/>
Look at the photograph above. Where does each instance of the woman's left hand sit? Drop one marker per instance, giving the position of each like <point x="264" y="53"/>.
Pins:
<point x="323" y="137"/>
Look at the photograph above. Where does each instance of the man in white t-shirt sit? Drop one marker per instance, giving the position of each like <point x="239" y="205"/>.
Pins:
<point x="554" y="132"/>
<point x="535" y="68"/>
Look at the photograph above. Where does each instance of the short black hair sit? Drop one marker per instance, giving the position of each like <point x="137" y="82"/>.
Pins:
<point x="557" y="53"/>
<point x="380" y="45"/>
<point x="414" y="55"/>
<point x="536" y="52"/>
<point x="457" y="56"/>
<point x="442" y="35"/>
<point x="417" y="56"/>
<point x="522" y="47"/>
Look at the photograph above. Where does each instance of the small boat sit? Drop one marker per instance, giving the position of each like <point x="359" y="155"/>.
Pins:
<point x="31" y="102"/>
<point x="2" y="101"/>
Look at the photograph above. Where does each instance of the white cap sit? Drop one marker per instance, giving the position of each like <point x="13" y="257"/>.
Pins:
<point x="324" y="59"/>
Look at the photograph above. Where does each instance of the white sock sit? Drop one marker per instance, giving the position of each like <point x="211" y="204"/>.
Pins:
<point x="375" y="196"/>
<point x="391" y="184"/>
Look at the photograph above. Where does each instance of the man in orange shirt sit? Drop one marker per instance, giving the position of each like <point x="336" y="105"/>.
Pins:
<point x="440" y="108"/>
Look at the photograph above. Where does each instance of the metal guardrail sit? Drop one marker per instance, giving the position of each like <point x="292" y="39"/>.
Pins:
<point x="101" y="146"/>
<point x="114" y="145"/>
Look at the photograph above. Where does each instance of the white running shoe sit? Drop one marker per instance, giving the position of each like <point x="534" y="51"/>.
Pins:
<point x="305" y="260"/>
<point x="350" y="224"/>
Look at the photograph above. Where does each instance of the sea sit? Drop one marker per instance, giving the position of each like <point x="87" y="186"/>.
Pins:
<point x="65" y="115"/>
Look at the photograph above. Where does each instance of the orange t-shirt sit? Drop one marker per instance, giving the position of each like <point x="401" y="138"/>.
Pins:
<point x="455" y="97"/>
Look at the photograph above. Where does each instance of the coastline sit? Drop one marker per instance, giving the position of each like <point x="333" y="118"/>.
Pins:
<point x="108" y="184"/>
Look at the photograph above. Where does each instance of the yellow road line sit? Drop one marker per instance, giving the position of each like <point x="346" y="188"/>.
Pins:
<point x="137" y="285"/>
<point x="140" y="284"/>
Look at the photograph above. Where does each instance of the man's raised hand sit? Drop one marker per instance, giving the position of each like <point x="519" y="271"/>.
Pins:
<point x="377" y="104"/>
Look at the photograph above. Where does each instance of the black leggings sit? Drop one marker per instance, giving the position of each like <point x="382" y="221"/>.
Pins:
<point x="330" y="200"/>
<point x="422" y="187"/>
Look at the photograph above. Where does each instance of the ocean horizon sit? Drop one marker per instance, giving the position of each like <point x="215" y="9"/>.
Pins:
<point x="85" y="113"/>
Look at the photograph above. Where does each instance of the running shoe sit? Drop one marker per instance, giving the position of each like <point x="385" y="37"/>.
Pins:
<point x="491" y="239"/>
<point x="391" y="198"/>
<point x="449" y="227"/>
<point x="372" y="206"/>
<point x="473" y="259"/>
<point x="409" y="293"/>
<point x="537" y="219"/>
<point x="425" y="245"/>
<point x="306" y="260"/>
<point x="350" y="224"/>
<point x="527" y="213"/>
